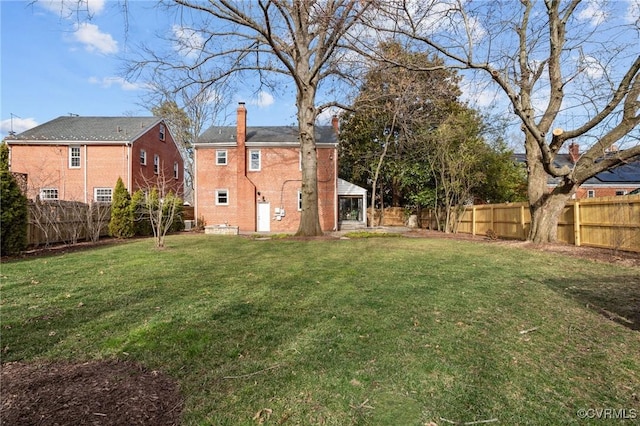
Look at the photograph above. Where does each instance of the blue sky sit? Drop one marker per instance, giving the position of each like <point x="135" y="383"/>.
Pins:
<point x="54" y="63"/>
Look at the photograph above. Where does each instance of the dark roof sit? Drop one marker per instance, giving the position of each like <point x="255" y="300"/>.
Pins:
<point x="626" y="173"/>
<point x="88" y="129"/>
<point x="266" y="134"/>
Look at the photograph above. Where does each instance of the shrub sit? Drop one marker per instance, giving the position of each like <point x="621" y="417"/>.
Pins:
<point x="142" y="225"/>
<point x="121" y="223"/>
<point x="13" y="209"/>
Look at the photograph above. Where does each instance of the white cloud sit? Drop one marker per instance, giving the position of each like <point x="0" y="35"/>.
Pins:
<point x="188" y="43"/>
<point x="595" y="13"/>
<point x="17" y="125"/>
<point x="263" y="100"/>
<point x="632" y="14"/>
<point x="95" y="40"/>
<point x="73" y="8"/>
<point x="107" y="82"/>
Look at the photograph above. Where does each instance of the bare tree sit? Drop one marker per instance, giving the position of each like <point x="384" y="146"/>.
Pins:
<point x="160" y="206"/>
<point x="559" y="63"/>
<point x="277" y="41"/>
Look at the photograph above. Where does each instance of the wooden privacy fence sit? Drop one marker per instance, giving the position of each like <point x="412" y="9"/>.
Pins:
<point x="66" y="221"/>
<point x="607" y="222"/>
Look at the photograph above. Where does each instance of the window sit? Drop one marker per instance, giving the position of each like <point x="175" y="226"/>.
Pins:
<point x="162" y="132"/>
<point x="221" y="157"/>
<point x="156" y="164"/>
<point x="175" y="170"/>
<point x="222" y="197"/>
<point x="591" y="193"/>
<point x="621" y="192"/>
<point x="143" y="157"/>
<point x="254" y="160"/>
<point x="102" y="195"/>
<point x="74" y="157"/>
<point x="299" y="201"/>
<point x="49" y="194"/>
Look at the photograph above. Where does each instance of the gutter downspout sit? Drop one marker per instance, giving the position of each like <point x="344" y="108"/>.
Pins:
<point x="86" y="162"/>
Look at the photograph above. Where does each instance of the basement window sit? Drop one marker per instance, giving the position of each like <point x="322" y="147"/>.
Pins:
<point x="48" y="194"/>
<point x="102" y="195"/>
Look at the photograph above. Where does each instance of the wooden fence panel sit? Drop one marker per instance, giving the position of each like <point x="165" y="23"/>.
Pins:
<point x="608" y="222"/>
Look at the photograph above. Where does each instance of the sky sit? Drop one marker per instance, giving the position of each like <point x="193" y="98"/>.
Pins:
<point x="55" y="63"/>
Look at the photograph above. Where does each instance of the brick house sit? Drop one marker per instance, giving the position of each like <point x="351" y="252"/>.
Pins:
<point x="81" y="158"/>
<point x="250" y="177"/>
<point x="620" y="180"/>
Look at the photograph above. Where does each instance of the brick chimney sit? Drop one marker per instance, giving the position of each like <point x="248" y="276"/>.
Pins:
<point x="336" y="124"/>
<point x="574" y="152"/>
<point x="241" y="129"/>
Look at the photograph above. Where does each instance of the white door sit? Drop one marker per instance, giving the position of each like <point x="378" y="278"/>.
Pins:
<point x="264" y="217"/>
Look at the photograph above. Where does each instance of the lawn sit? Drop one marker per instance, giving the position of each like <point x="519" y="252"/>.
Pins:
<point x="379" y="331"/>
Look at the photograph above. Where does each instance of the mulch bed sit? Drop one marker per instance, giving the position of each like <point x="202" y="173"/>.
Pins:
<point x="91" y="393"/>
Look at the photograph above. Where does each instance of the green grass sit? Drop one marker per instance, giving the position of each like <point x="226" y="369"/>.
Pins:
<point x="368" y="331"/>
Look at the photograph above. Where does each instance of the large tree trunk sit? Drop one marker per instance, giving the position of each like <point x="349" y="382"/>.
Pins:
<point x="310" y="216"/>
<point x="545" y="206"/>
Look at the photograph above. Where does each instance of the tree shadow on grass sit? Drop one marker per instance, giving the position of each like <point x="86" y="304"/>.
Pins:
<point x="617" y="298"/>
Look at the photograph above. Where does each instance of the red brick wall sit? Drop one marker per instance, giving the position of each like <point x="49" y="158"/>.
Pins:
<point x="277" y="183"/>
<point x="603" y="192"/>
<point x="47" y="166"/>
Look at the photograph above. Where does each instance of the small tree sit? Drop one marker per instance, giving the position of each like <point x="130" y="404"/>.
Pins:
<point x="121" y="223"/>
<point x="13" y="207"/>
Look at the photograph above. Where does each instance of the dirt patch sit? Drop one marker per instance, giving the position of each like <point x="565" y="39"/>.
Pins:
<point x="93" y="393"/>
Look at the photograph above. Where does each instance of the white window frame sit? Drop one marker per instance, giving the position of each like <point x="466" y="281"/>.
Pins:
<point x="99" y="195"/>
<point x="221" y="157"/>
<point x="156" y="164"/>
<point x="299" y="200"/>
<point x="163" y="132"/>
<point x="591" y="193"/>
<point x="49" y="194"/>
<point x="621" y="192"/>
<point x="176" y="170"/>
<point x="143" y="157"/>
<point x="252" y="168"/>
<point x="75" y="155"/>
<point x="223" y="192"/>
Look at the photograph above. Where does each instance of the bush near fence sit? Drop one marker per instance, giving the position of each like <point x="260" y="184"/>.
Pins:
<point x="606" y="222"/>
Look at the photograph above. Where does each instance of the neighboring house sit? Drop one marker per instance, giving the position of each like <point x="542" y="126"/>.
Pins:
<point x="251" y="177"/>
<point x="81" y="158"/>
<point x="620" y="180"/>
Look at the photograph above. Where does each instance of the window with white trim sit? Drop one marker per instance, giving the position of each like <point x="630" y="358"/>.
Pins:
<point x="162" y="132"/>
<point x="143" y="157"/>
<point x="222" y="197"/>
<point x="591" y="193"/>
<point x="49" y="194"/>
<point x="221" y="157"/>
<point x="156" y="164"/>
<point x="254" y="160"/>
<point x="176" y="168"/>
<point x="102" y="195"/>
<point x="299" y="200"/>
<point x="74" y="157"/>
<point x="621" y="192"/>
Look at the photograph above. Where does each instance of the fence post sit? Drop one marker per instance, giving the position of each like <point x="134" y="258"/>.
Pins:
<point x="522" y="224"/>
<point x="576" y="222"/>
<point x="473" y="220"/>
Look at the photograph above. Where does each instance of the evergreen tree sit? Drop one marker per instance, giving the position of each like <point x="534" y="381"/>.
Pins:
<point x="121" y="223"/>
<point x="13" y="208"/>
